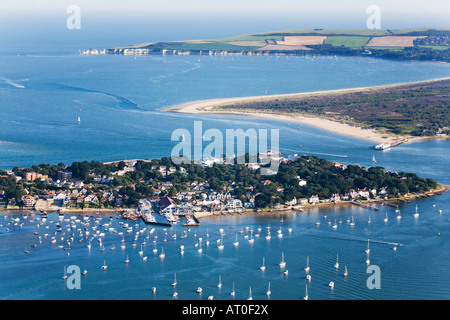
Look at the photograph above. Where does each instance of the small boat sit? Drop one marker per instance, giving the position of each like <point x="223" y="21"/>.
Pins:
<point x="162" y="255"/>
<point x="127" y="260"/>
<point x="308" y="277"/>
<point x="211" y="298"/>
<point x="369" y="221"/>
<point x="199" y="290"/>
<point x="307" y="264"/>
<point x="336" y="265"/>
<point x="84" y="272"/>
<point x="368" y="248"/>
<point x="220" y="246"/>
<point x="268" y="293"/>
<point x="331" y="285"/>
<point x="174" y="284"/>
<point x="306" y="297"/>
<point x="175" y="295"/>
<point x="286" y="272"/>
<point x="104" y="266"/>
<point x="219" y="285"/>
<point x="250" y="294"/>
<point x="263" y="267"/>
<point x="352" y="224"/>
<point x="154" y="290"/>
<point x="282" y="263"/>
<point x="345" y="272"/>
<point x="373" y="159"/>
<point x="368" y="260"/>
<point x="399" y="216"/>
<point x="416" y="214"/>
<point x="233" y="293"/>
<point x="236" y="243"/>
<point x="386" y="219"/>
<point x="251" y="240"/>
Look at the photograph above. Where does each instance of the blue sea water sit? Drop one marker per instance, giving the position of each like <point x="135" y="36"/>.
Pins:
<point x="120" y="100"/>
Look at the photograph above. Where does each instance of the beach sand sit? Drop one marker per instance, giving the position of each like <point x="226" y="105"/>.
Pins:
<point x="212" y="106"/>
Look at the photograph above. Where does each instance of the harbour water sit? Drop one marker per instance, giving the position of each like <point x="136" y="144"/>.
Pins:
<point x="119" y="101"/>
<point x="416" y="270"/>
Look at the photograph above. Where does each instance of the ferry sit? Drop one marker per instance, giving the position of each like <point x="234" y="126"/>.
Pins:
<point x="383" y="146"/>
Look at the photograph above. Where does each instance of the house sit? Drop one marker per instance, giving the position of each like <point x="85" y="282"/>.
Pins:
<point x="335" y="198"/>
<point x="166" y="203"/>
<point x="28" y="201"/>
<point x="234" y="204"/>
<point x="313" y="199"/>
<point x="302" y="201"/>
<point x="293" y="202"/>
<point x="363" y="193"/>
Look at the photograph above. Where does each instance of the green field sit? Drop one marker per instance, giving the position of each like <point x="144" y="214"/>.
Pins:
<point x="347" y="41"/>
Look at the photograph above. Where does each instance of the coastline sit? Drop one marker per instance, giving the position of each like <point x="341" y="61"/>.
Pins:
<point x="324" y="205"/>
<point x="212" y="106"/>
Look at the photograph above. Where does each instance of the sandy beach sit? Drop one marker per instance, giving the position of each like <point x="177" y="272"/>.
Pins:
<point x="212" y="106"/>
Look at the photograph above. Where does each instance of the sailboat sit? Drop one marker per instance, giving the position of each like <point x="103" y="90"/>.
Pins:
<point x="162" y="255"/>
<point x="263" y="267"/>
<point x="104" y="266"/>
<point x="336" y="265"/>
<point x="219" y="285"/>
<point x="373" y="159"/>
<point x="368" y="248"/>
<point x="282" y="263"/>
<point x="236" y="243"/>
<point x="399" y="216"/>
<point x="345" y="272"/>
<point x="79" y="120"/>
<point x="250" y="294"/>
<point x="368" y="259"/>
<point x="306" y="297"/>
<point x="352" y="224"/>
<point x="416" y="215"/>
<point x="251" y="240"/>
<point x="200" y="250"/>
<point x="268" y="293"/>
<point x="233" y="293"/>
<point x="220" y="246"/>
<point x="127" y="261"/>
<point x="174" y="284"/>
<point x="307" y="264"/>
<point x="386" y="219"/>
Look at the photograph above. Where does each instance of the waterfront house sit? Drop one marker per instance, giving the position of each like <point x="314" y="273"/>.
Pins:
<point x="302" y="201"/>
<point x="335" y="198"/>
<point x="313" y="199"/>
<point x="28" y="201"/>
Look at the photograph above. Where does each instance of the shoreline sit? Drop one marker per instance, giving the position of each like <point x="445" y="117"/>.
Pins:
<point x="326" y="205"/>
<point x="210" y="106"/>
<point x="264" y="212"/>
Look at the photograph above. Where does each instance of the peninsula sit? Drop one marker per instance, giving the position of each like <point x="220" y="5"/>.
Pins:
<point x="202" y="188"/>
<point x="388" y="114"/>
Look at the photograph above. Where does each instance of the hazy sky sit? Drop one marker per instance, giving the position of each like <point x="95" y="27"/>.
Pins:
<point x="119" y="22"/>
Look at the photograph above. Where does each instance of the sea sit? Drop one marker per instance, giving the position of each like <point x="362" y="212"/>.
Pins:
<point x="120" y="102"/>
